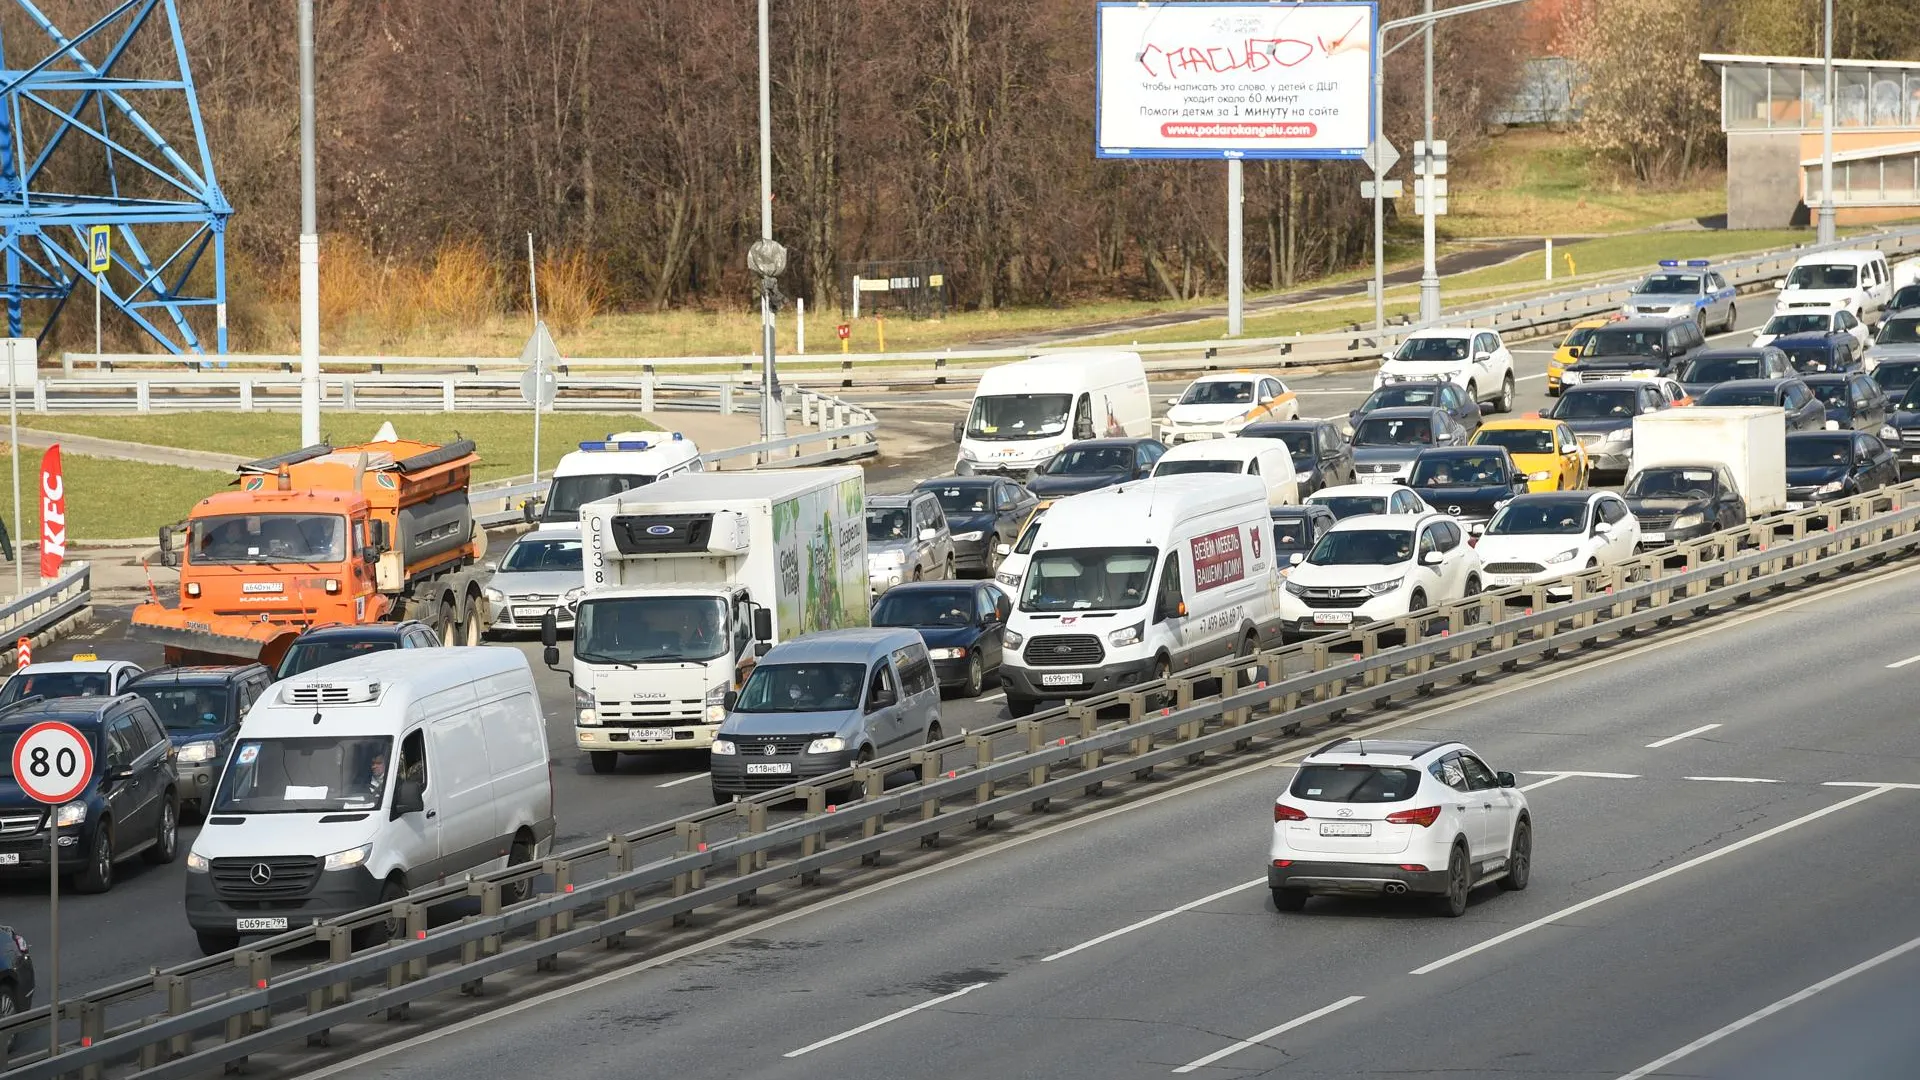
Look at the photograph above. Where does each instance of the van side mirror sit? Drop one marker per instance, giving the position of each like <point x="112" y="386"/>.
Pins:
<point x="959" y="430"/>
<point x="408" y="798"/>
<point x="1506" y="779"/>
<point x="729" y="700"/>
<point x="762" y="648"/>
<point x="168" y="557"/>
<point x="762" y="626"/>
<point x="549" y="630"/>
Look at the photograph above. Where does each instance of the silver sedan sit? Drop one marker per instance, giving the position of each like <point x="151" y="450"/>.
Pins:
<point x="539" y="573"/>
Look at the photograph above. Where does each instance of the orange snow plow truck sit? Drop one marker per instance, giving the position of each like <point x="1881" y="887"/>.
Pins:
<point x="355" y="534"/>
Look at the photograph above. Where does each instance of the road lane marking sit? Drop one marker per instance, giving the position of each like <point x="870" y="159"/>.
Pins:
<point x="1590" y="775"/>
<point x="1782" y="1005"/>
<point x="1915" y="659"/>
<point x="1529" y="378"/>
<point x="1669" y="740"/>
<point x="997" y="695"/>
<point x="1150" y="920"/>
<point x="1733" y="779"/>
<point x="887" y="1019"/>
<point x="1870" y="783"/>
<point x="1554" y="779"/>
<point x="684" y="780"/>
<point x="1201" y="1063"/>
<point x="1662" y="875"/>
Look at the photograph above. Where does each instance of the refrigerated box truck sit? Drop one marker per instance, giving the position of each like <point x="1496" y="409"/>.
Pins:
<point x="1750" y="440"/>
<point x="688" y="580"/>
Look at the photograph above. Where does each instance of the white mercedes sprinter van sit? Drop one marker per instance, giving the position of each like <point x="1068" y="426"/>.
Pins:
<point x="1025" y="412"/>
<point x="353" y="783"/>
<point x="1269" y="459"/>
<point x="1130" y="583"/>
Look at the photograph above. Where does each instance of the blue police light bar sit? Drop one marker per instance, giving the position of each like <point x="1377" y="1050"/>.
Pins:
<point x="1695" y="263"/>
<point x="605" y="444"/>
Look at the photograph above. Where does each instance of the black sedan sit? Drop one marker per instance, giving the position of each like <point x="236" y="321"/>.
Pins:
<point x="983" y="512"/>
<point x="1683" y="501"/>
<point x="961" y="622"/>
<point x="1852" y="400"/>
<point x="1827" y="465"/>
<point x="1466" y="482"/>
<point x="1710" y="367"/>
<point x="1322" y="457"/>
<point x="1434" y="393"/>
<point x="16" y="973"/>
<point x="1095" y="463"/>
<point x="1895" y="376"/>
<point x="1804" y="410"/>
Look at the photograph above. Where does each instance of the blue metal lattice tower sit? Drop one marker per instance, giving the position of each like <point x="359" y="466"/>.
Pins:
<point x="81" y="145"/>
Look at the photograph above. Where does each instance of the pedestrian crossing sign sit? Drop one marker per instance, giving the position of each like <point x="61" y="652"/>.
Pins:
<point x="99" y="248"/>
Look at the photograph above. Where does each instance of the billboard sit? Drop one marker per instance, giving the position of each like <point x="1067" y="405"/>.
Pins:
<point x="1221" y="80"/>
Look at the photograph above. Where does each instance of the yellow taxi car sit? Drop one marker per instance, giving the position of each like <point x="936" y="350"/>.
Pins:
<point x="1568" y="349"/>
<point x="1544" y="449"/>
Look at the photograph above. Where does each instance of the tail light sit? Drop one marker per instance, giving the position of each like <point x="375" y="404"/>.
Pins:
<point x="20" y="943"/>
<point x="1423" y="817"/>
<point x="1283" y="812"/>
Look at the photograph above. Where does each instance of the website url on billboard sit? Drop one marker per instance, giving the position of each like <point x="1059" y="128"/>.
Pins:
<point x="1239" y="131"/>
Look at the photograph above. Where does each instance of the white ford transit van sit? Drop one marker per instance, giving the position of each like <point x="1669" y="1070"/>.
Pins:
<point x="353" y="783"/>
<point x="1130" y="583"/>
<point x="1269" y="459"/>
<point x="1026" y="412"/>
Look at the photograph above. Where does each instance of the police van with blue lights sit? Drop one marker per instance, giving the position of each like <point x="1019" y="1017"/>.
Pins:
<point x="621" y="462"/>
<point x="1679" y="289"/>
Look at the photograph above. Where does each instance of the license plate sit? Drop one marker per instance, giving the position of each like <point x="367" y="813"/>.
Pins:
<point x="1498" y="580"/>
<point x="1346" y="828"/>
<point x="1376" y="478"/>
<point x="1796" y="506"/>
<point x="1915" y="459"/>
<point x="1061" y="678"/>
<point x="260" y="924"/>
<point x="1336" y="618"/>
<point x="10" y="858"/>
<point x="769" y="768"/>
<point x="530" y="614"/>
<point x="1653" y="537"/>
<point x="650" y="734"/>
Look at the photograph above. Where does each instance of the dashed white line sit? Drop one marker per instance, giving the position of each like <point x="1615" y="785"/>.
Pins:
<point x="1592" y="775"/>
<point x="1529" y="378"/>
<point x="1733" y="779"/>
<point x="1669" y="740"/>
<point x="1201" y="1063"/>
<point x="1556" y="778"/>
<point x="887" y="1019"/>
<point x="1903" y="663"/>
<point x="1700" y="860"/>
<point x="1870" y="783"/>
<point x="1150" y="920"/>
<point x="1828" y="983"/>
<point x="997" y="695"/>
<point x="683" y="780"/>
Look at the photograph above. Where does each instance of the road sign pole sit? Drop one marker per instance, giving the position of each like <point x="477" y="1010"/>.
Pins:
<point x="52" y="764"/>
<point x="53" y="930"/>
<point x="13" y="427"/>
<point x="1379" y="182"/>
<point x="1236" y="247"/>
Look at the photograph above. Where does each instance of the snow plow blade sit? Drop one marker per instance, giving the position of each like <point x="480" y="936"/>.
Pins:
<point x="227" y="639"/>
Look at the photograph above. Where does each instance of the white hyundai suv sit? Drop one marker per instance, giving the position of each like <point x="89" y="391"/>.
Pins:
<point x="1372" y="817"/>
<point x="1475" y="359"/>
<point x="1376" y="567"/>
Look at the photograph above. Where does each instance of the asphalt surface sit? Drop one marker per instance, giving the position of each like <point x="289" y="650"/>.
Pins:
<point x="139" y="924"/>
<point x="1680" y="886"/>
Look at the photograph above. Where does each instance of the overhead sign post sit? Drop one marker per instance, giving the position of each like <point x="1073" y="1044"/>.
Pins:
<point x="1232" y="81"/>
<point x="53" y="764"/>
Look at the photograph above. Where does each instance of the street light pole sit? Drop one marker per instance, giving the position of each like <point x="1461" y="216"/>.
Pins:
<point x="1430" y="271"/>
<point x="773" y="411"/>
<point x="309" y="245"/>
<point x="1825" y="228"/>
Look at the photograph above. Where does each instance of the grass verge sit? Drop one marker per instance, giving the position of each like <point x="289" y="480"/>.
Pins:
<point x="1537" y="183"/>
<point x="112" y="500"/>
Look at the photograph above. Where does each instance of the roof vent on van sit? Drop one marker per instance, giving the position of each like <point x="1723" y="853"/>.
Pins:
<point x="330" y="693"/>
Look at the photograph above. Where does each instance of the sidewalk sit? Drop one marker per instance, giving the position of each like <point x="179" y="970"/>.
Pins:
<point x="91" y="446"/>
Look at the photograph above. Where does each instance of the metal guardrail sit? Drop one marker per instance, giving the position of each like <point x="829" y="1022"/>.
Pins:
<point x="660" y="874"/>
<point x="48" y="606"/>
<point x="186" y="380"/>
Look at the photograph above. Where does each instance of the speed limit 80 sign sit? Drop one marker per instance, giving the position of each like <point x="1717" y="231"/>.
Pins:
<point x="52" y="762"/>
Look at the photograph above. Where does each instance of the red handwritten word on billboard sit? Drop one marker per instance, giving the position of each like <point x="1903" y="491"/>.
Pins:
<point x="1217" y="559"/>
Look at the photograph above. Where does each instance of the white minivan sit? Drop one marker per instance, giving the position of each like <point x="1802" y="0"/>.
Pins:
<point x="1857" y="281"/>
<point x="601" y="468"/>
<point x="354" y="783"/>
<point x="1269" y="459"/>
<point x="1025" y="412"/>
<point x="1130" y="583"/>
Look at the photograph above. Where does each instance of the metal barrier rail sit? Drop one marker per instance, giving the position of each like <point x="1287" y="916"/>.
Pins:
<point x="50" y="605"/>
<point x="730" y="852"/>
<point x="1751" y="273"/>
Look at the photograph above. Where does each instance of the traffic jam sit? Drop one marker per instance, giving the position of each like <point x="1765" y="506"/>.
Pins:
<point x="787" y="624"/>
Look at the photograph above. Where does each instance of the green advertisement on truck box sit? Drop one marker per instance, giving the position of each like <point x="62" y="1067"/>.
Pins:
<point x="820" y="551"/>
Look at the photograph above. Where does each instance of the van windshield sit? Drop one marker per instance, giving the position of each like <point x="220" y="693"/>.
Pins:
<point x="1089" y="579"/>
<point x="788" y="688"/>
<point x="649" y="629"/>
<point x="1004" y="417"/>
<point x="1823" y="277"/>
<point x="569" y="493"/>
<point x="1201" y="465"/>
<point x="305" y="776"/>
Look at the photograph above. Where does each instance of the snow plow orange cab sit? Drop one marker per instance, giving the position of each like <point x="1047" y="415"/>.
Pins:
<point x="377" y="532"/>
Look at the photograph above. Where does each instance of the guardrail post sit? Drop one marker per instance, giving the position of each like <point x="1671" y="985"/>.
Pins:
<point x="620" y="850"/>
<point x="872" y="784"/>
<point x="179" y="995"/>
<point x="142" y="397"/>
<point x="1038" y="775"/>
<point x="446" y="394"/>
<point x="246" y="394"/>
<point x="928" y="764"/>
<point x="982" y="748"/>
<point x="646" y="393"/>
<point x="40" y="396"/>
<point x="753" y="822"/>
<point x="726" y="399"/>
<point x="693" y="838"/>
<point x="339" y="943"/>
<point x="470" y="951"/>
<point x="1088" y="719"/>
<point x="812" y="843"/>
<point x="93" y="1026"/>
<point x="561" y="871"/>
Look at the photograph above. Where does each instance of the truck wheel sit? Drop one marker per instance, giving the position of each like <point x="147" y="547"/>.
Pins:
<point x="447" y="624"/>
<point x="471" y="629"/>
<point x="604" y="761"/>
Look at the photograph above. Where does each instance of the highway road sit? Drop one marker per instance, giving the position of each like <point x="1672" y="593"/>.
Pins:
<point x="1722" y="886"/>
<point x="139" y="924"/>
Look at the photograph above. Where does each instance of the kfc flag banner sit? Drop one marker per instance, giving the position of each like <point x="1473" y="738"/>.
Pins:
<point x="53" y="514"/>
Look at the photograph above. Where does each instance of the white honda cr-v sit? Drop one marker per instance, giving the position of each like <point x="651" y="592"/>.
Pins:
<point x="1376" y="567"/>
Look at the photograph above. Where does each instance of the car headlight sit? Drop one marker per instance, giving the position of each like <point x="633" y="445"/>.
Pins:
<point x="1543" y="474"/>
<point x="583" y="707"/>
<point x="725" y="747"/>
<point x="832" y="744"/>
<point x="1688" y="521"/>
<point x="1011" y="581"/>
<point x="1831" y="489"/>
<point x="1011" y="640"/>
<point x="495" y="596"/>
<point x="73" y="813"/>
<point x="1618" y="435"/>
<point x="716" y="704"/>
<point x="1888" y="431"/>
<point x="1563" y="556"/>
<point x="970" y="536"/>
<point x="1126" y="635"/>
<point x="196" y="862"/>
<point x="198" y="751"/>
<point x="350" y="858"/>
<point x="947" y="654"/>
<point x="1382" y="588"/>
<point x="1296" y="588"/>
